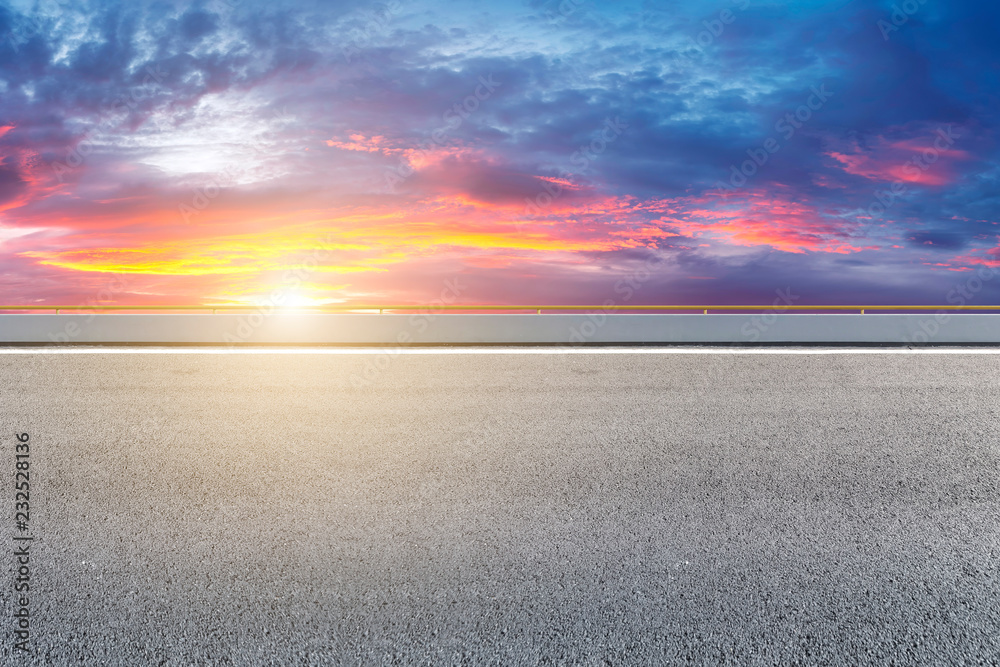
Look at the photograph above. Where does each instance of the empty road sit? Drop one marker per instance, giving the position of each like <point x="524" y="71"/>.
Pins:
<point x="483" y="508"/>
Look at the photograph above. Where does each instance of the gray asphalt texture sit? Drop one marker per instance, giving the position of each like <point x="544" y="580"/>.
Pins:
<point x="516" y="510"/>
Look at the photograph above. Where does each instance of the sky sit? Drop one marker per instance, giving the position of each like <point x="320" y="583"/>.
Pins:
<point x="540" y="151"/>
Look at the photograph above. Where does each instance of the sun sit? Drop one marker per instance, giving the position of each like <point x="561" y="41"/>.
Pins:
<point x="303" y="301"/>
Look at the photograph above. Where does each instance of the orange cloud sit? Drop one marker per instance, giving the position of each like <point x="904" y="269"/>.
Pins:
<point x="357" y="240"/>
<point x="240" y="247"/>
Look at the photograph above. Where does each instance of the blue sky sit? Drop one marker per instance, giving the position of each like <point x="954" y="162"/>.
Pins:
<point x="543" y="151"/>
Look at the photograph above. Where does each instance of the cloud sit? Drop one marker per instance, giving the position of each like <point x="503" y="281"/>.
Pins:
<point x="203" y="148"/>
<point x="766" y="218"/>
<point x="928" y="159"/>
<point x="939" y="239"/>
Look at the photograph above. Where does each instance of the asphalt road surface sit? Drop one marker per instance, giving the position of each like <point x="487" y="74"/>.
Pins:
<point x="505" y="509"/>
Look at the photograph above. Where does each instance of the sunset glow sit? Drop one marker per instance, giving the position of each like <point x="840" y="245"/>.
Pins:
<point x="538" y="151"/>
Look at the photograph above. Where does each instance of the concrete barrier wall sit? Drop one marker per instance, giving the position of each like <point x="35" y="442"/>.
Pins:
<point x="545" y="329"/>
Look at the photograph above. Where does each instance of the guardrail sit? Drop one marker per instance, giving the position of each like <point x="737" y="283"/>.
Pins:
<point x="494" y="308"/>
<point x="477" y="324"/>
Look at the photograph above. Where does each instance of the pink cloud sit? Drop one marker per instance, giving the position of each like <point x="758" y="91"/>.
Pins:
<point x="928" y="159"/>
<point x="358" y="142"/>
<point x="762" y="218"/>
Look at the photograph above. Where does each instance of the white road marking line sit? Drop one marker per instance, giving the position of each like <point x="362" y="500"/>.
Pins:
<point x="492" y="350"/>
